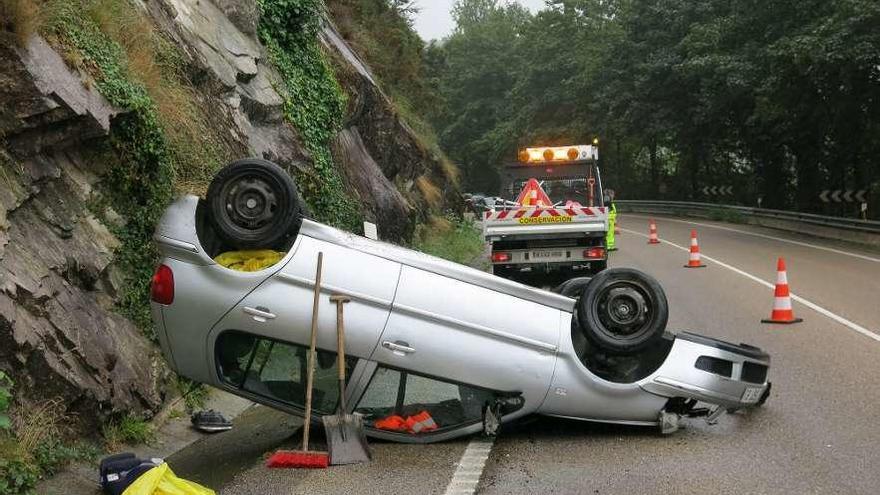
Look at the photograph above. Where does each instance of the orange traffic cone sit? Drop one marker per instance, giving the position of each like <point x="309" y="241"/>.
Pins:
<point x="652" y="234"/>
<point x="782" y="312"/>
<point x="694" y="259"/>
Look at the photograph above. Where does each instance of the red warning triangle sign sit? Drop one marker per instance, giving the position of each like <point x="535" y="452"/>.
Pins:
<point x="533" y="195"/>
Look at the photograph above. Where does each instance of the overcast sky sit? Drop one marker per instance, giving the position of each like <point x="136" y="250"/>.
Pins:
<point x="434" y="20"/>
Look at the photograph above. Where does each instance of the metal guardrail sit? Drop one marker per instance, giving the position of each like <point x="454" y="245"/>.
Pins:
<point x="751" y="214"/>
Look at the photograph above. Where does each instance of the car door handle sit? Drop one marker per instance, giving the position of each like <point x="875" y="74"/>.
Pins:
<point x="399" y="348"/>
<point x="260" y="314"/>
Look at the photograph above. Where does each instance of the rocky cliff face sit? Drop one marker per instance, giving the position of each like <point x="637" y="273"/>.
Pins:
<point x="60" y="335"/>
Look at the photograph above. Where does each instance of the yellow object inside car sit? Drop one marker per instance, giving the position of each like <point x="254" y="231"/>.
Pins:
<point x="250" y="260"/>
<point x="161" y="481"/>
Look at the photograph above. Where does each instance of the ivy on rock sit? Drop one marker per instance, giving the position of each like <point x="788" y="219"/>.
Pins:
<point x="314" y="102"/>
<point x="139" y="184"/>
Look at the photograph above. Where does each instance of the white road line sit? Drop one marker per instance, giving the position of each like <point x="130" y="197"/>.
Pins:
<point x="815" y="307"/>
<point x="470" y="467"/>
<point x="765" y="236"/>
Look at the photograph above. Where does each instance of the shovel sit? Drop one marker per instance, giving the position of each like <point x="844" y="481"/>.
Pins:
<point x="346" y="439"/>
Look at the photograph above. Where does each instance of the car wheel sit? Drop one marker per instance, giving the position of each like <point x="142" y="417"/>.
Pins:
<point x="572" y="287"/>
<point x="253" y="204"/>
<point x="623" y="311"/>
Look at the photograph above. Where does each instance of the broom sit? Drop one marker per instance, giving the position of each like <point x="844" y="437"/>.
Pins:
<point x="346" y="439"/>
<point x="306" y="458"/>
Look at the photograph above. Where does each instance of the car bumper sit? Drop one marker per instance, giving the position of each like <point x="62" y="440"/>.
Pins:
<point x="711" y="371"/>
<point x="567" y="268"/>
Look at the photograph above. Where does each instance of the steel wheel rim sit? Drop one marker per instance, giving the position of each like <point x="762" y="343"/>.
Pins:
<point x="624" y="309"/>
<point x="250" y="201"/>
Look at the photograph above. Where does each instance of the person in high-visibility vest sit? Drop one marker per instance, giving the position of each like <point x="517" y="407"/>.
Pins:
<point x="610" y="244"/>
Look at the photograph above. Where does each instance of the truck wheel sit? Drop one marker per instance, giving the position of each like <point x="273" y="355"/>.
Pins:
<point x="623" y="311"/>
<point x="253" y="204"/>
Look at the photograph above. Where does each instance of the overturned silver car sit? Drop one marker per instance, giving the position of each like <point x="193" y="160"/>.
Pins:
<point x="426" y="338"/>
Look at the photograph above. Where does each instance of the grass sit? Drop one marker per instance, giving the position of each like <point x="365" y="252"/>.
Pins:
<point x="450" y="170"/>
<point x="43" y="422"/>
<point x="430" y="192"/>
<point x="157" y="65"/>
<point x="450" y="238"/>
<point x="127" y="430"/>
<point x="148" y="59"/>
<point x="37" y="445"/>
<point x="194" y="394"/>
<point x="161" y="141"/>
<point x="21" y="18"/>
<point x="726" y="215"/>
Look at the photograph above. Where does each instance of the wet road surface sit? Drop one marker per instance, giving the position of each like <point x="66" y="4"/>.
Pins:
<point x="819" y="431"/>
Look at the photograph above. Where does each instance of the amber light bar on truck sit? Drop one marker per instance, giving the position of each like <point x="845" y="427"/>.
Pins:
<point x="559" y="154"/>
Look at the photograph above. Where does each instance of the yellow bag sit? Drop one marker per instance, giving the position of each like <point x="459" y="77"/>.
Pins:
<point x="161" y="481"/>
<point x="249" y="261"/>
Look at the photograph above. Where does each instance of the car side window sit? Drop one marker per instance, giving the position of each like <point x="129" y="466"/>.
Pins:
<point x="277" y="370"/>
<point x="402" y="402"/>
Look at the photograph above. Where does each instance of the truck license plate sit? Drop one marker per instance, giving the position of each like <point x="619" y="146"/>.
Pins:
<point x="752" y="394"/>
<point x="548" y="255"/>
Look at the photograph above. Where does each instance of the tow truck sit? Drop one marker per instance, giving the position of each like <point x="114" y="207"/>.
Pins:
<point x="534" y="239"/>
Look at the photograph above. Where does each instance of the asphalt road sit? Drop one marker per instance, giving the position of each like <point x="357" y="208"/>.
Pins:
<point x="818" y="433"/>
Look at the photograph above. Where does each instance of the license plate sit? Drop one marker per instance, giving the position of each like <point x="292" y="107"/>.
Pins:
<point x="752" y="394"/>
<point x="548" y="255"/>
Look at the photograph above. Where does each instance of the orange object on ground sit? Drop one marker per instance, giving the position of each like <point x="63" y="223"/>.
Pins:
<point x="652" y="233"/>
<point x="694" y="258"/>
<point x="782" y="312"/>
<point x="417" y="423"/>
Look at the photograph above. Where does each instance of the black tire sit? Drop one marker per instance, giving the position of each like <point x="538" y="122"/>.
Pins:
<point x="253" y="204"/>
<point x="572" y="287"/>
<point x="623" y="311"/>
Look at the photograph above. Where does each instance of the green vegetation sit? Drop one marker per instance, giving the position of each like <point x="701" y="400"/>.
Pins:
<point x="451" y="238"/>
<point x="777" y="99"/>
<point x="138" y="184"/>
<point x="194" y="394"/>
<point x="5" y="401"/>
<point x="313" y="102"/>
<point x="725" y="215"/>
<point x="22" y="17"/>
<point x="127" y="430"/>
<point x="34" y="444"/>
<point x="18" y="474"/>
<point x="52" y="455"/>
<point x="160" y="145"/>
<point x="381" y="31"/>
